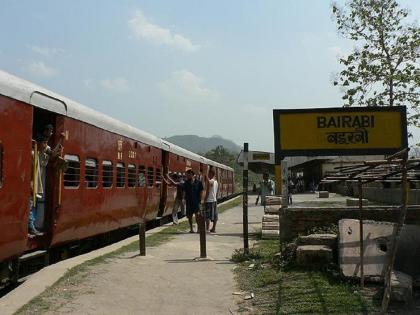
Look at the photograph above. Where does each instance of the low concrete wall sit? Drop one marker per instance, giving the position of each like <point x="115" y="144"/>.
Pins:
<point x="390" y="196"/>
<point x="297" y="221"/>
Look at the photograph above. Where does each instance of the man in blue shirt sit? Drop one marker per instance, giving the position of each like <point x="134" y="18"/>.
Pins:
<point x="193" y="189"/>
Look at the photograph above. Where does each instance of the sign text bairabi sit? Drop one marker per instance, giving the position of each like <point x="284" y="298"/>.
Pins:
<point x="338" y="131"/>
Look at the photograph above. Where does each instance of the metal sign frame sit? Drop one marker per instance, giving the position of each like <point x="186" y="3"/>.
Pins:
<point x="280" y="153"/>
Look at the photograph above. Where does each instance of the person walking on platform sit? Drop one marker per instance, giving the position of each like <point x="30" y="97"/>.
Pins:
<point x="176" y="180"/>
<point x="193" y="189"/>
<point x="266" y="188"/>
<point x="211" y="202"/>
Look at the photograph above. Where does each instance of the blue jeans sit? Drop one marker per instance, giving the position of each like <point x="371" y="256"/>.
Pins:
<point x="32" y="216"/>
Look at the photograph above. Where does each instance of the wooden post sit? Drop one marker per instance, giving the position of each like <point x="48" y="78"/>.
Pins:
<point x="284" y="183"/>
<point x="202" y="230"/>
<point x="142" y="239"/>
<point x="362" y="276"/>
<point x="245" y="200"/>
<point x="277" y="179"/>
<point x="396" y="234"/>
<point x="284" y="198"/>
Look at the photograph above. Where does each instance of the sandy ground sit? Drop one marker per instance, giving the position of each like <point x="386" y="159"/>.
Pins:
<point x="168" y="280"/>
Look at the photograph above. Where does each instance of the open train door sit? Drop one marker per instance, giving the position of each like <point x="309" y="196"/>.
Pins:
<point x="48" y="111"/>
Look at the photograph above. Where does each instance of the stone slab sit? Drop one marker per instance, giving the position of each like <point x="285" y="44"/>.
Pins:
<point x="318" y="239"/>
<point x="270" y="234"/>
<point x="377" y="243"/>
<point x="270" y="225"/>
<point x="323" y="194"/>
<point x="272" y="200"/>
<point x="270" y="218"/>
<point x="272" y="209"/>
<point x="313" y="255"/>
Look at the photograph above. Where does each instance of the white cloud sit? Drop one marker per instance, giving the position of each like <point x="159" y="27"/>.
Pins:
<point x="158" y="35"/>
<point x="46" y="51"/>
<point x="117" y="84"/>
<point x="40" y="69"/>
<point x="185" y="87"/>
<point x="256" y="110"/>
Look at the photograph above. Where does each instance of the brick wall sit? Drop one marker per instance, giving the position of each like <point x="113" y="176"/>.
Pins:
<point x="295" y="221"/>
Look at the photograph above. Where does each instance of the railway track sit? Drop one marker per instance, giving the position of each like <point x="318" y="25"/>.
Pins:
<point x="35" y="261"/>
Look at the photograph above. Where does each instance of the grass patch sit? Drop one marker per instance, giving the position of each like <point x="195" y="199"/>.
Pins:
<point x="292" y="290"/>
<point x="71" y="283"/>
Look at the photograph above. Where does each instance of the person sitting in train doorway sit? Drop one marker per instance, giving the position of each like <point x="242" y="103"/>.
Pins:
<point x="40" y="159"/>
<point x="178" y="181"/>
<point x="41" y="155"/>
<point x="211" y="201"/>
<point x="193" y="189"/>
<point x="46" y="132"/>
<point x="266" y="188"/>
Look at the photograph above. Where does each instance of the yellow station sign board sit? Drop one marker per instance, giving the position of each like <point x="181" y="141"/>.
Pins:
<point x="337" y="131"/>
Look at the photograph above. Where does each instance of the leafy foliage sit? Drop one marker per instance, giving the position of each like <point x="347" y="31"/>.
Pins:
<point x="383" y="70"/>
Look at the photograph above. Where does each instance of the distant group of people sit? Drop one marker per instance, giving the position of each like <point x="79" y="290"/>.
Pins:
<point x="191" y="190"/>
<point x="294" y="185"/>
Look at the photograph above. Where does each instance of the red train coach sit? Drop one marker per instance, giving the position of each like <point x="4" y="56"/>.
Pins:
<point x="113" y="179"/>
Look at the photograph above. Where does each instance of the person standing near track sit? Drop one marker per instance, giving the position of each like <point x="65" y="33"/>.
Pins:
<point x="193" y="189"/>
<point x="211" y="202"/>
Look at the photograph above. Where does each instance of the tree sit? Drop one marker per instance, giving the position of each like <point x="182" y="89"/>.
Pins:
<point x="383" y="70"/>
<point x="224" y="156"/>
<point x="221" y="155"/>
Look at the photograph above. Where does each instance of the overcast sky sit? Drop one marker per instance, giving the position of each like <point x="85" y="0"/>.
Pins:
<point x="180" y="67"/>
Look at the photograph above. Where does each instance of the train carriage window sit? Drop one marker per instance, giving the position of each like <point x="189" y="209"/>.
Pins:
<point x="131" y="176"/>
<point x="72" y="173"/>
<point x="91" y="173"/>
<point x="150" y="176"/>
<point x="120" y="175"/>
<point x="1" y="164"/>
<point x="158" y="177"/>
<point x="142" y="176"/>
<point x="107" y="174"/>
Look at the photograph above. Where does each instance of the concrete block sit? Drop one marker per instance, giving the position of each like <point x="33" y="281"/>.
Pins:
<point x="270" y="234"/>
<point x="313" y="255"/>
<point x="377" y="243"/>
<point x="270" y="226"/>
<point x="354" y="202"/>
<point x="272" y="200"/>
<point x="323" y="194"/>
<point x="270" y="218"/>
<point x="272" y="209"/>
<point x="318" y="239"/>
<point x="401" y="287"/>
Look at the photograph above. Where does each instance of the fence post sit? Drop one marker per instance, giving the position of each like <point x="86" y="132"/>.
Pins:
<point x="245" y="200"/>
<point x="142" y="239"/>
<point x="202" y="229"/>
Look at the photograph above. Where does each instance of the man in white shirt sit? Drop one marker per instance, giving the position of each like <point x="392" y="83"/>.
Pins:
<point x="266" y="188"/>
<point x="211" y="201"/>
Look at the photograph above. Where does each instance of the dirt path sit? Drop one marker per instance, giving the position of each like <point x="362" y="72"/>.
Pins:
<point x="167" y="280"/>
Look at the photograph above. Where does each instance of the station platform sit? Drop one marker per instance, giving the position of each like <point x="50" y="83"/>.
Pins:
<point x="168" y="280"/>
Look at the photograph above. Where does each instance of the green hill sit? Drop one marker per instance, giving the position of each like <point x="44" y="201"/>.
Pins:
<point x="202" y="145"/>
